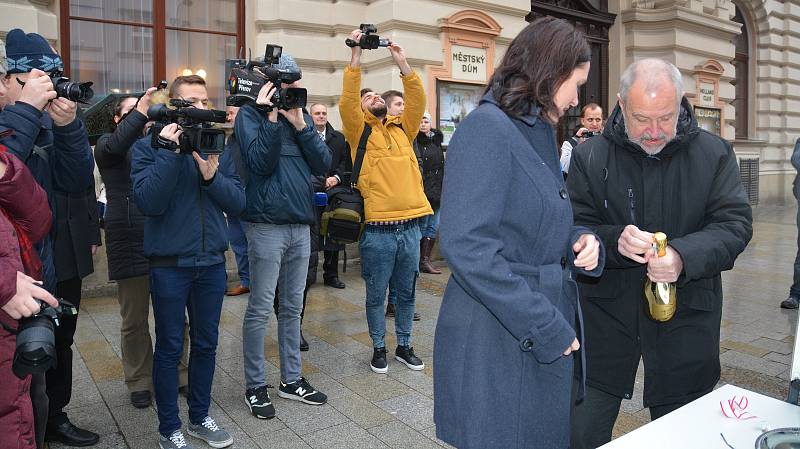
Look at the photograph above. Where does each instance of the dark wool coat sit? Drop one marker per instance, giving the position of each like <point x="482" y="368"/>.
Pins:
<point x="691" y="191"/>
<point x="509" y="310"/>
<point x="431" y="159"/>
<point x="124" y="222"/>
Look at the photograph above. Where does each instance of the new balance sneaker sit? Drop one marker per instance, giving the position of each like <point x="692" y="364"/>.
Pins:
<point x="260" y="404"/>
<point x="406" y="356"/>
<point x="378" y="363"/>
<point x="211" y="433"/>
<point x="301" y="390"/>
<point x="174" y="441"/>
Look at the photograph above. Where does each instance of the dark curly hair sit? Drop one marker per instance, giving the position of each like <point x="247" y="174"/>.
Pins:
<point x="538" y="61"/>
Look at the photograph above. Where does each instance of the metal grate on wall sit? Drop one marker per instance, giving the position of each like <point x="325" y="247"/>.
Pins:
<point x="748" y="172"/>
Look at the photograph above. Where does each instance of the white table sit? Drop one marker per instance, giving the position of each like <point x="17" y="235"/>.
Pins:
<point x="699" y="423"/>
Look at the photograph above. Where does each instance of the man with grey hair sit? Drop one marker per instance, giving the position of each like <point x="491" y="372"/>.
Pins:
<point x="654" y="170"/>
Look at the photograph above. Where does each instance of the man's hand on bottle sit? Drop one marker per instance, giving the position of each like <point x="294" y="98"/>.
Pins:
<point x="666" y="268"/>
<point x="635" y="244"/>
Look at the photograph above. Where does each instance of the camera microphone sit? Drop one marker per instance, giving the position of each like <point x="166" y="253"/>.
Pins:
<point x="205" y="115"/>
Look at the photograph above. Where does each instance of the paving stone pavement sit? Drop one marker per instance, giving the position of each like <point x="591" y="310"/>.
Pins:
<point x="367" y="410"/>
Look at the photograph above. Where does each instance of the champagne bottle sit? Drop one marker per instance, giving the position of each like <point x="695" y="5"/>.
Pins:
<point x="661" y="297"/>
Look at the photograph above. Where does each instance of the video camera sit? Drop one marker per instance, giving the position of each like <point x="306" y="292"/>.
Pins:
<point x="196" y="135"/>
<point x="248" y="77"/>
<point x="71" y="90"/>
<point x="368" y="40"/>
<point x="36" y="351"/>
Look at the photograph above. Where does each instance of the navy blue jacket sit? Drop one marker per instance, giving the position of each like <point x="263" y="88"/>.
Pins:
<point x="279" y="162"/>
<point x="68" y="166"/>
<point x="510" y="307"/>
<point x="184" y="215"/>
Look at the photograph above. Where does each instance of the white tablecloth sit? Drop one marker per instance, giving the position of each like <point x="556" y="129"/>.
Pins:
<point x="699" y="423"/>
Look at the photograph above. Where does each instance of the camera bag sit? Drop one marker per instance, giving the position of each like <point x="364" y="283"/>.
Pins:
<point x="343" y="218"/>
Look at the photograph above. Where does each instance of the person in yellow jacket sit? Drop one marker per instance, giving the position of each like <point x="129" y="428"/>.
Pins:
<point x="394" y="200"/>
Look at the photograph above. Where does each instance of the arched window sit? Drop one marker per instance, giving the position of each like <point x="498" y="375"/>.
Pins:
<point x="742" y="82"/>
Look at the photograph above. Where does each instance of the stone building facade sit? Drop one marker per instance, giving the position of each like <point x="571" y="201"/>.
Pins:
<point x="740" y="58"/>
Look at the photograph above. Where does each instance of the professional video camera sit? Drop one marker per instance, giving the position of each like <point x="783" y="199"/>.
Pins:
<point x="368" y="40"/>
<point x="247" y="78"/>
<point x="196" y="135"/>
<point x="36" y="352"/>
<point x="71" y="90"/>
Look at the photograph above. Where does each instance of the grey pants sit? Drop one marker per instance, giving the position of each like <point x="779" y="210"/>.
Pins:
<point x="137" y="347"/>
<point x="278" y="257"/>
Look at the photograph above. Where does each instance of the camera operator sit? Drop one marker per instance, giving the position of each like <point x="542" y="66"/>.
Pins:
<point x="183" y="198"/>
<point x="591" y="125"/>
<point x="127" y="264"/>
<point x="280" y="151"/>
<point x="391" y="184"/>
<point x="54" y="145"/>
<point x="21" y="224"/>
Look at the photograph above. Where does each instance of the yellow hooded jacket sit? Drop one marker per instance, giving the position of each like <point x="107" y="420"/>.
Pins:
<point x="390" y="181"/>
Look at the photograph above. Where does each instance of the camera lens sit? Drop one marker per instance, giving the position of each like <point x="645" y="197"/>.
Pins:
<point x="35" y="346"/>
<point x="80" y="92"/>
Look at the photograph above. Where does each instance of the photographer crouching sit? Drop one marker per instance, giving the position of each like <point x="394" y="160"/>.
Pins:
<point x="183" y="195"/>
<point x="280" y="152"/>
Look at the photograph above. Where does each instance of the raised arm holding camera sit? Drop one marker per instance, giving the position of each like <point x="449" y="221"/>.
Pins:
<point x="280" y="151"/>
<point x="391" y="184"/>
<point x="183" y="198"/>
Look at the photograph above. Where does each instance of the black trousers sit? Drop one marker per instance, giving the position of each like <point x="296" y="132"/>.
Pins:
<point x="330" y="265"/>
<point x="593" y="419"/>
<point x="59" y="379"/>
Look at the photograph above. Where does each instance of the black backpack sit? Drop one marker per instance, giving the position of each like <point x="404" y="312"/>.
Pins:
<point x="343" y="218"/>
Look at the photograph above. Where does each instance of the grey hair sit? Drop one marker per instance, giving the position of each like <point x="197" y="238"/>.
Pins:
<point x="655" y="71"/>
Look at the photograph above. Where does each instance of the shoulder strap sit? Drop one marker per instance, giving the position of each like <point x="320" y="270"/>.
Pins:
<point x="362" y="149"/>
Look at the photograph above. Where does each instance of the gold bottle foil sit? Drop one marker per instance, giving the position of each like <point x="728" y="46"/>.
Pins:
<point x="661" y="297"/>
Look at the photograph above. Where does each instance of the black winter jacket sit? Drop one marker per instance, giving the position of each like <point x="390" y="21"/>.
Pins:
<point x="692" y="192"/>
<point x="124" y="222"/>
<point x="431" y="158"/>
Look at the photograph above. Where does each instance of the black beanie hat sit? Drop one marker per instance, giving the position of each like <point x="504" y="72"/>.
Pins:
<point x="25" y="52"/>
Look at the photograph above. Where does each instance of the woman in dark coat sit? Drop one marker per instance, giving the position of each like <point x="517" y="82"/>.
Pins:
<point x="428" y="148"/>
<point x="508" y="326"/>
<point x="124" y="226"/>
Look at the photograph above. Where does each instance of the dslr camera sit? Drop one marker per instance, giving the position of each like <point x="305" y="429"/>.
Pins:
<point x="71" y="90"/>
<point x="248" y="77"/>
<point x="197" y="133"/>
<point x="368" y="41"/>
<point x="36" y="351"/>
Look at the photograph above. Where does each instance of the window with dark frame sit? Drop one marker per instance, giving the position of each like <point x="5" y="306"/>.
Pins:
<point x="741" y="63"/>
<point x="128" y="45"/>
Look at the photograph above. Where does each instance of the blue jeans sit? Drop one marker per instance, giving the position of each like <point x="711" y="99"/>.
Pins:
<point x="429" y="224"/>
<point x="279" y="257"/>
<point x="173" y="291"/>
<point x="390" y="255"/>
<point x="238" y="241"/>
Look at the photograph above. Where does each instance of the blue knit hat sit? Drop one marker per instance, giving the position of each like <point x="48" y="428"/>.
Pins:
<point x="288" y="63"/>
<point x="25" y="52"/>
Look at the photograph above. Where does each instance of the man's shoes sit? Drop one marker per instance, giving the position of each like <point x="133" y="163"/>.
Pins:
<point x="301" y="390"/>
<point x="303" y="343"/>
<point x="790" y="303"/>
<point x="259" y="403"/>
<point x="406" y="356"/>
<point x="174" y="441"/>
<point x="378" y="363"/>
<point x="390" y="310"/>
<point x="211" y="433"/>
<point x="416" y="317"/>
<point x="71" y="435"/>
<point x="141" y="399"/>
<point x="183" y="390"/>
<point x="334" y="282"/>
<point x="238" y="290"/>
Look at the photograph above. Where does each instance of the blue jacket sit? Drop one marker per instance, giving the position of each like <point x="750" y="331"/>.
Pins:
<point x="66" y="163"/>
<point x="510" y="307"/>
<point x="279" y="162"/>
<point x="184" y="224"/>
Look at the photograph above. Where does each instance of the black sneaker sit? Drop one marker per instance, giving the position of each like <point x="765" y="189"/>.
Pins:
<point x="406" y="356"/>
<point x="301" y="390"/>
<point x="790" y="303"/>
<point x="378" y="363"/>
<point x="260" y="404"/>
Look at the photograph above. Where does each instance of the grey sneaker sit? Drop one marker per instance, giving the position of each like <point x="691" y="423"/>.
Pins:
<point x="211" y="433"/>
<point x="175" y="441"/>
